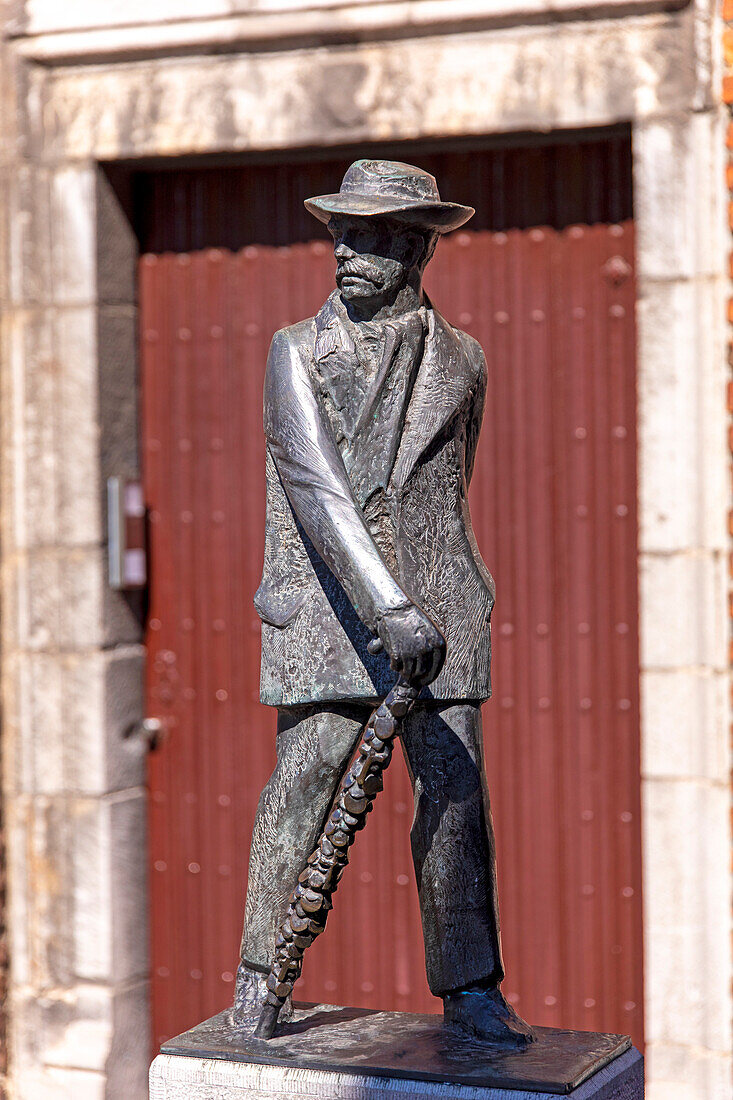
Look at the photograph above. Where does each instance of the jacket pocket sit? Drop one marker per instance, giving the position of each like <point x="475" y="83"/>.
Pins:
<point x="278" y="609"/>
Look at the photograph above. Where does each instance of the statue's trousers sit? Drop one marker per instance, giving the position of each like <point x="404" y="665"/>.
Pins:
<point x="452" y="837"/>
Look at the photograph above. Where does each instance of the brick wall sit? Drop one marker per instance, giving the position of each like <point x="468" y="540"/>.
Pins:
<point x="3" y="964"/>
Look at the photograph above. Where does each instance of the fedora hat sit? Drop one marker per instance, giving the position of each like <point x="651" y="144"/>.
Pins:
<point x="390" y="189"/>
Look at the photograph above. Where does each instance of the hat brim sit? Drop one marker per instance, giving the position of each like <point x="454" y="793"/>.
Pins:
<point x="442" y="216"/>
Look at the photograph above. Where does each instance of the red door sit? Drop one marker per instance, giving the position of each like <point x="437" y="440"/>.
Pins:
<point x="543" y="277"/>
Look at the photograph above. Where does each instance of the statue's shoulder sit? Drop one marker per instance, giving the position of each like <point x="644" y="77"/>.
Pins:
<point x="302" y="333"/>
<point x="472" y="350"/>
<point x="288" y="342"/>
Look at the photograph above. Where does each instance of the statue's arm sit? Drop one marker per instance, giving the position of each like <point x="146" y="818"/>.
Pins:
<point x="312" y="473"/>
<point x="476" y="412"/>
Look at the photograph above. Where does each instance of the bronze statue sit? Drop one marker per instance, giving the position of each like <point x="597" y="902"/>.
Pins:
<point x="372" y="411"/>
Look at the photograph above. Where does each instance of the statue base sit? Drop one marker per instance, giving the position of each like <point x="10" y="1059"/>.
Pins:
<point x="326" y="1052"/>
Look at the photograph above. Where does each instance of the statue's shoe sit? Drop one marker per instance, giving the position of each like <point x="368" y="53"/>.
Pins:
<point x="486" y="1014"/>
<point x="250" y="992"/>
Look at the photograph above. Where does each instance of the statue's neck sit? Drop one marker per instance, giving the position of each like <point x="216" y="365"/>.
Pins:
<point x="407" y="300"/>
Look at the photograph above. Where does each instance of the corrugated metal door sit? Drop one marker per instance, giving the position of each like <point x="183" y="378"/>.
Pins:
<point x="544" y="279"/>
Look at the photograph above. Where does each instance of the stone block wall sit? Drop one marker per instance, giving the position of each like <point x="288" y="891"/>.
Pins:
<point x="727" y="95"/>
<point x="74" y="800"/>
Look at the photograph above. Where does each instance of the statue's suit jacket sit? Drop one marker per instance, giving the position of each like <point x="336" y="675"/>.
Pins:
<point x="335" y="563"/>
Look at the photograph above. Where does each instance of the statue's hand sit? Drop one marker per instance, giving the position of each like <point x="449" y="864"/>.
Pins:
<point x="414" y="645"/>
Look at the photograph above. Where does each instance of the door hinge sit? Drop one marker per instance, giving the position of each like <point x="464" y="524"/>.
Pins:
<point x="126" y="534"/>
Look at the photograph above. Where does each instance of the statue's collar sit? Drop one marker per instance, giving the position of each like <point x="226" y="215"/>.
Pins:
<point x="335" y="329"/>
<point x="332" y="331"/>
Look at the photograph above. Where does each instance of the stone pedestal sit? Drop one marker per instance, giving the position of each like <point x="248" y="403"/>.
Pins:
<point x="331" y="1053"/>
<point x="173" y="1077"/>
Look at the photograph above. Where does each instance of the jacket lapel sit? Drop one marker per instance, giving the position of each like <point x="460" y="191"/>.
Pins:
<point x="444" y="380"/>
<point x="379" y="429"/>
<point x="336" y="364"/>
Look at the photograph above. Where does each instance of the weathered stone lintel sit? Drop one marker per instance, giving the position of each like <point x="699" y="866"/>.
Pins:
<point x="450" y="86"/>
<point x="92" y="37"/>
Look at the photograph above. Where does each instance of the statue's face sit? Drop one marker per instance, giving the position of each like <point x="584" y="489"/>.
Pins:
<point x="374" y="258"/>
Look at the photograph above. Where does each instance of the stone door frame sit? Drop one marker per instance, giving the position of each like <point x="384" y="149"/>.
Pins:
<point x="72" y="661"/>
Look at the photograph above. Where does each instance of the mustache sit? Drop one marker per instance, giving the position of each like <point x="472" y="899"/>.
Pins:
<point x="360" y="269"/>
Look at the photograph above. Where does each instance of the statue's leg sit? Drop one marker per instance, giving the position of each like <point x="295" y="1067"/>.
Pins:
<point x="314" y="745"/>
<point x="453" y="849"/>
<point x="453" y="845"/>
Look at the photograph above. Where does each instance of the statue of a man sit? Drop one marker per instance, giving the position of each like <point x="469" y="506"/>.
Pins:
<point x="372" y="411"/>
